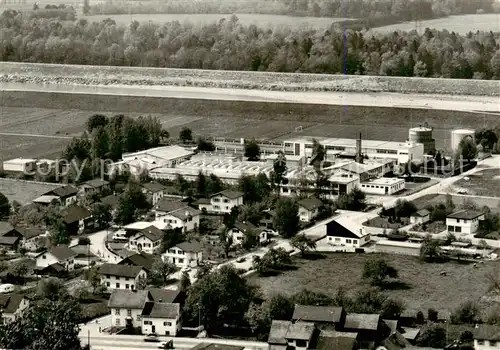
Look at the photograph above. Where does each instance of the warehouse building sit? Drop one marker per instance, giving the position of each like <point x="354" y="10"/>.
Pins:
<point x="397" y="247"/>
<point x="383" y="186"/>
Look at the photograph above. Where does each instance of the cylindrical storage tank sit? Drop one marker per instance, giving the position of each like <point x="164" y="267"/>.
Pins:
<point x="458" y="135"/>
<point x="422" y="135"/>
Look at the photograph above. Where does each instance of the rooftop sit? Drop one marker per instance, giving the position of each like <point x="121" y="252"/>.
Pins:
<point x="362" y="321"/>
<point x="62" y="252"/>
<point x="140" y="259"/>
<point x="337" y="343"/>
<point x="310" y="203"/>
<point x="210" y="346"/>
<point x="465" y="214"/>
<point x="96" y="183"/>
<point x="137" y="226"/>
<point x="111" y="200"/>
<point x="10" y="303"/>
<point x="317" y="313"/>
<point x="487" y="332"/>
<point x="184" y="213"/>
<point x="343" y="228"/>
<point x="421" y="213"/>
<point x="30" y="232"/>
<point x="164" y="295"/>
<point x="9" y="241"/>
<point x="245" y="226"/>
<point x="128" y="299"/>
<point x="5" y="227"/>
<point x="45" y="199"/>
<point x="153" y="233"/>
<point x="167" y="205"/>
<point x="164" y="153"/>
<point x="75" y="213"/>
<point x="161" y="310"/>
<point x="63" y="191"/>
<point x="120" y="270"/>
<point x="191" y="246"/>
<point x="326" y="141"/>
<point x="153" y="187"/>
<point x="229" y="194"/>
<point x="384" y="181"/>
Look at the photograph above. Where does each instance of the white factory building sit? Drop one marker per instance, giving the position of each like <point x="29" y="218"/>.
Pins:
<point x="402" y="152"/>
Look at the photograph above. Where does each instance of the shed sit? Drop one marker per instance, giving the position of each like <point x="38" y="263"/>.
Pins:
<point x="420" y="217"/>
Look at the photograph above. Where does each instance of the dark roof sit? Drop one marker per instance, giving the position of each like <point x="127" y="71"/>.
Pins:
<point x="120" y="270"/>
<point x="395" y="341"/>
<point x="229" y="194"/>
<point x="96" y="183"/>
<point x="211" y="346"/>
<point x="277" y="334"/>
<point x="164" y="295"/>
<point x="62" y="252"/>
<point x="153" y="187"/>
<point x="52" y="269"/>
<point x="245" y="226"/>
<point x="202" y="201"/>
<point x="167" y="205"/>
<point x="317" y="313"/>
<point x="392" y="324"/>
<point x="124" y="298"/>
<point x="335" y="343"/>
<point x="487" y="332"/>
<point x="362" y="321"/>
<point x="75" y="213"/>
<point x="63" y="191"/>
<point x="111" y="200"/>
<point x="310" y="203"/>
<point x="466" y="214"/>
<point x="141" y="259"/>
<point x="191" y="246"/>
<point x="8" y="240"/>
<point x="10" y="303"/>
<point x="422" y="213"/>
<point x="161" y="310"/>
<point x="184" y="213"/>
<point x="283" y="330"/>
<point x="334" y="229"/>
<point x="153" y="233"/>
<point x="30" y="232"/>
<point x="5" y="227"/>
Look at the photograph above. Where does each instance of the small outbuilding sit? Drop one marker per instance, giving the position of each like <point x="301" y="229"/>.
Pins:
<point x="420" y="217"/>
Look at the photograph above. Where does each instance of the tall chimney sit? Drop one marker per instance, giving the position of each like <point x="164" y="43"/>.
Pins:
<point x="359" y="155"/>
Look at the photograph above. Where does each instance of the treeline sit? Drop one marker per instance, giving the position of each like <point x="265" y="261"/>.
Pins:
<point x="229" y="45"/>
<point x="54" y="11"/>
<point x="389" y="10"/>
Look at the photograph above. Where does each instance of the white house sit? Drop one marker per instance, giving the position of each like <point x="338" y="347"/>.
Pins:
<point x="290" y="335"/>
<point x="188" y="219"/>
<point x="383" y="186"/>
<point x="60" y="255"/>
<point x="12" y="306"/>
<point x="240" y="229"/>
<point x="420" y="217"/>
<point x="464" y="221"/>
<point x="340" y="235"/>
<point x="147" y="240"/>
<point x="185" y="254"/>
<point x="67" y="194"/>
<point x="226" y="200"/>
<point x="309" y="208"/>
<point x="20" y="165"/>
<point x="115" y="276"/>
<point x="486" y="337"/>
<point x="126" y="307"/>
<point x="153" y="191"/>
<point x="161" y="318"/>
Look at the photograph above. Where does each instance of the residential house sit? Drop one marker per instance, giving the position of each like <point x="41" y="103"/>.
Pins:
<point x="116" y="276"/>
<point x="464" y="221"/>
<point x="167" y="205"/>
<point x="153" y="191"/>
<point x="95" y="186"/>
<point x="369" y="328"/>
<point x="12" y="306"/>
<point x="186" y="218"/>
<point x="113" y="201"/>
<point x="60" y="257"/>
<point x="203" y="204"/>
<point x="147" y="240"/>
<point x="10" y="238"/>
<point x="309" y="208"/>
<point x="161" y="318"/>
<point x="212" y="346"/>
<point x="84" y="257"/>
<point x="66" y="195"/>
<point x="486" y="337"/>
<point x="225" y="201"/>
<point x="286" y="335"/>
<point x="328" y="340"/>
<point x="324" y="317"/>
<point x="340" y="236"/>
<point x="420" y="217"/>
<point x="185" y="254"/>
<point x="140" y="259"/>
<point x="33" y="238"/>
<point x="126" y="307"/>
<point x="77" y="219"/>
<point x="241" y="229"/>
<point x="267" y="220"/>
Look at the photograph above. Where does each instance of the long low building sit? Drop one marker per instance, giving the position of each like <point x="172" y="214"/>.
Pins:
<point x="383" y="186"/>
<point x="398" y="247"/>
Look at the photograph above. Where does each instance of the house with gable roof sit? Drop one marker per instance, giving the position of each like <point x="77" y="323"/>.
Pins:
<point x="343" y="235"/>
<point x="94" y="186"/>
<point x="126" y="307"/>
<point x="309" y="208"/>
<point x="12" y="306"/>
<point x="116" y="276"/>
<point x="185" y="218"/>
<point x="225" y="201"/>
<point x="58" y="258"/>
<point x="240" y="229"/>
<point x="185" y="254"/>
<point x="486" y="337"/>
<point x="147" y="240"/>
<point x="286" y="335"/>
<point x="154" y="191"/>
<point x="66" y="195"/>
<point x="161" y="318"/>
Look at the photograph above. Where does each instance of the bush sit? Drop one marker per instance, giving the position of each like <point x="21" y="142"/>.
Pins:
<point x="93" y="311"/>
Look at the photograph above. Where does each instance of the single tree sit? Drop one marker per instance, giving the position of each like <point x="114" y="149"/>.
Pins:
<point x="466" y="313"/>
<point x="467" y="149"/>
<point x="430" y="249"/>
<point x="101" y="213"/>
<point x="279" y="170"/>
<point x="4" y="206"/>
<point x="94" y="278"/>
<point x="433" y="336"/>
<point x="252" y="150"/>
<point x="19" y="268"/>
<point x="204" y="145"/>
<point x="286" y="221"/>
<point x="186" y="135"/>
<point x="226" y="240"/>
<point x="302" y="243"/>
<point x="52" y="288"/>
<point x="318" y="154"/>
<point x="162" y="270"/>
<point x="142" y="283"/>
<point x="392" y="309"/>
<point x="377" y="270"/>
<point x="185" y="282"/>
<point x="86" y="7"/>
<point x="277" y="307"/>
<point x="171" y="238"/>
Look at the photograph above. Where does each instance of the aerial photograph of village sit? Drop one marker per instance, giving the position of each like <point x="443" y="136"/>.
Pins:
<point x="250" y="174"/>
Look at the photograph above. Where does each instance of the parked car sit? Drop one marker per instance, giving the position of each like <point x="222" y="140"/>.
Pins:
<point x="167" y="345"/>
<point x="7" y="288"/>
<point x="152" y="337"/>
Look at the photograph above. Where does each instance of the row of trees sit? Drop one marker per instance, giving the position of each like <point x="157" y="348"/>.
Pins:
<point x="229" y="45"/>
<point x="399" y="10"/>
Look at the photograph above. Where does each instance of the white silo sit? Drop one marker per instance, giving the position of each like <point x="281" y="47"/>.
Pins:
<point x="458" y="135"/>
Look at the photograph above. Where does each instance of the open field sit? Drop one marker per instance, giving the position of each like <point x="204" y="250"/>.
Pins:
<point x="433" y="199"/>
<point x="265" y="21"/>
<point x="24" y="191"/>
<point x="483" y="183"/>
<point x="458" y="24"/>
<point x="427" y="288"/>
<point x="13" y="72"/>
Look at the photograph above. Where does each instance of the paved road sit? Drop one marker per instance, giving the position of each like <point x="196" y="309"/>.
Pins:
<point x="98" y="247"/>
<point x="36" y="135"/>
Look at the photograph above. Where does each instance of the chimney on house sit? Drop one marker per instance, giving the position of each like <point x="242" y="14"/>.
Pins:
<point x="359" y="155"/>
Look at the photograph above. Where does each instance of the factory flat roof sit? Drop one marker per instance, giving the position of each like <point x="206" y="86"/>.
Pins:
<point x="165" y="153"/>
<point x="384" y="181"/>
<point x="352" y="142"/>
<point x="399" y="244"/>
<point x="19" y="161"/>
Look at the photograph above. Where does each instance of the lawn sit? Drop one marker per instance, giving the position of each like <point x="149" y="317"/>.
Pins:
<point x="24" y="191"/>
<point x="483" y="183"/>
<point x="427" y="288"/>
<point x="266" y="21"/>
<point x="434" y="199"/>
<point x="458" y="24"/>
<point x="431" y="227"/>
<point x="381" y="222"/>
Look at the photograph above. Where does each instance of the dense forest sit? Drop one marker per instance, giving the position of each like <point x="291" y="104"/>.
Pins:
<point x="389" y="10"/>
<point x="229" y="45"/>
